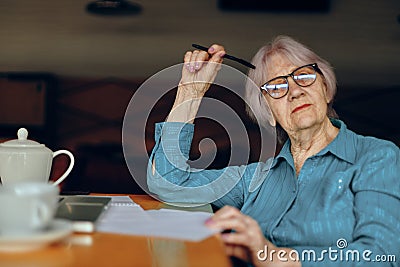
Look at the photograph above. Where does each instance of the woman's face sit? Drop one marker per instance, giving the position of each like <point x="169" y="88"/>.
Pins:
<point x="302" y="107"/>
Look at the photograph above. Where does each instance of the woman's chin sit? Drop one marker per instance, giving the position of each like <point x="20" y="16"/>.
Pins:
<point x="305" y="122"/>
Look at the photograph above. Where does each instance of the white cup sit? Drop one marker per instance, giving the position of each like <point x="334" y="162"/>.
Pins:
<point x="27" y="207"/>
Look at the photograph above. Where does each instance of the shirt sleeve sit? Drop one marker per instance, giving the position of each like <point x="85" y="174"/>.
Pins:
<point x="173" y="180"/>
<point x="376" y="236"/>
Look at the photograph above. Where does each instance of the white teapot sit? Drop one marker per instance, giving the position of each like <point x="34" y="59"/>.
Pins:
<point x="23" y="160"/>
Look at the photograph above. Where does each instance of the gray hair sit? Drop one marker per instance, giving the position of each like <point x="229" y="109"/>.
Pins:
<point x="299" y="55"/>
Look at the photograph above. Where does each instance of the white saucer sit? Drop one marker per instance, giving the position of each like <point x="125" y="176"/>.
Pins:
<point x="57" y="230"/>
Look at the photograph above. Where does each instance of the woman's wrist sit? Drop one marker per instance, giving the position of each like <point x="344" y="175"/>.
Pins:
<point x="186" y="105"/>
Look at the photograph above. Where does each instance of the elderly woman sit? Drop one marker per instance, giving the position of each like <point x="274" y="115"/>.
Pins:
<point x="329" y="198"/>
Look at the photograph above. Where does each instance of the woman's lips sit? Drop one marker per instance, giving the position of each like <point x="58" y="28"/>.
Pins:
<point x="301" y="107"/>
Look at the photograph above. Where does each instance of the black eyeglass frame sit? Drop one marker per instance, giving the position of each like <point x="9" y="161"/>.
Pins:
<point x="313" y="65"/>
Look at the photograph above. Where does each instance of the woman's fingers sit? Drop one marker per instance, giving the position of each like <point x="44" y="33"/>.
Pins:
<point x="199" y="57"/>
<point x="238" y="224"/>
<point x="240" y="252"/>
<point x="226" y="212"/>
<point x="215" y="48"/>
<point x="200" y="69"/>
<point x="230" y="218"/>
<point x="217" y="53"/>
<point x="248" y="238"/>
<point x="194" y="60"/>
<point x="246" y="231"/>
<point x="226" y="218"/>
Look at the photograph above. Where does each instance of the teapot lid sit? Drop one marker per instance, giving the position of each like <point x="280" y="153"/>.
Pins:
<point x="22" y="140"/>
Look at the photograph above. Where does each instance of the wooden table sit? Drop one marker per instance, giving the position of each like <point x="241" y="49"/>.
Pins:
<point x="114" y="250"/>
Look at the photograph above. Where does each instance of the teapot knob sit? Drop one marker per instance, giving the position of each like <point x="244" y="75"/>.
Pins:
<point x="22" y="134"/>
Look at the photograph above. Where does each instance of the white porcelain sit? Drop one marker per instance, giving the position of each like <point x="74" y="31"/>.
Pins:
<point x="27" y="207"/>
<point x="26" y="160"/>
<point x="57" y="231"/>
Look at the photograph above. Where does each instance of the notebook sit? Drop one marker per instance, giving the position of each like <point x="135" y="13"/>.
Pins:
<point x="83" y="211"/>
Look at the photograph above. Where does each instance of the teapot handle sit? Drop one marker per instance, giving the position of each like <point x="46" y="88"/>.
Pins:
<point x="71" y="164"/>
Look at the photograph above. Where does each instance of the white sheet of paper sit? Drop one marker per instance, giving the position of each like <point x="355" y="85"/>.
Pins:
<point x="126" y="217"/>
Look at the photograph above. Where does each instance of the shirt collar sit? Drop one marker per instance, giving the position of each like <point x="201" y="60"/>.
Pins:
<point x="343" y="146"/>
<point x="284" y="154"/>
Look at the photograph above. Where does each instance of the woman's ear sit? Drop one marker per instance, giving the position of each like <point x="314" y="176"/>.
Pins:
<point x="328" y="98"/>
<point x="267" y="112"/>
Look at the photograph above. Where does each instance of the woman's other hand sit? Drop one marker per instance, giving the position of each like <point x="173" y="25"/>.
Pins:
<point x="245" y="239"/>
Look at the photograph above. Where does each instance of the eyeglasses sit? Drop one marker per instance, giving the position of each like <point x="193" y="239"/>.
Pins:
<point x="303" y="76"/>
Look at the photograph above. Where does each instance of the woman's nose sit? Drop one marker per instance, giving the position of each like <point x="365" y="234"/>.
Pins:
<point x="295" y="90"/>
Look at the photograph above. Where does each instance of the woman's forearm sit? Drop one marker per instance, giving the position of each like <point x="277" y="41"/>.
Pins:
<point x="186" y="105"/>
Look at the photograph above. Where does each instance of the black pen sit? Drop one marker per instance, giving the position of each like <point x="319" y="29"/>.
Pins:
<point x="241" y="61"/>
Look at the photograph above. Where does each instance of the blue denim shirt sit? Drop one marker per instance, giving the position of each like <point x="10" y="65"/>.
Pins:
<point x="346" y="198"/>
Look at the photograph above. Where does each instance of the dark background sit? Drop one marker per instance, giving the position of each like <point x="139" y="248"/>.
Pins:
<point x="91" y="66"/>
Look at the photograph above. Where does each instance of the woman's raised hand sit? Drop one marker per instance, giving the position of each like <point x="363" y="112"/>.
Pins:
<point x="198" y="73"/>
<point x="200" y="69"/>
